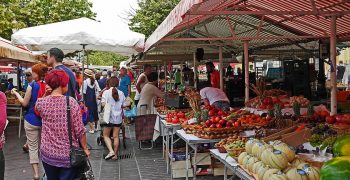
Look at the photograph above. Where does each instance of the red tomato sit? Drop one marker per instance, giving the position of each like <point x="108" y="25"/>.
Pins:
<point x="212" y="113"/>
<point x="180" y="114"/>
<point x="220" y="113"/>
<point x="218" y="126"/>
<point x="236" y="124"/>
<point x="222" y="122"/>
<point x="208" y="123"/>
<point x="217" y="119"/>
<point x="330" y="119"/>
<point x="228" y="124"/>
<point x="175" y="120"/>
<point x="212" y="126"/>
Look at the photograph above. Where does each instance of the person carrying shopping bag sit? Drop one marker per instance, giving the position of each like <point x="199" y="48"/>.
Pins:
<point x="113" y="100"/>
<point x="58" y="137"/>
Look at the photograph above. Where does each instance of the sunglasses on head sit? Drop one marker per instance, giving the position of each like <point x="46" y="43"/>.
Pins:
<point x="28" y="75"/>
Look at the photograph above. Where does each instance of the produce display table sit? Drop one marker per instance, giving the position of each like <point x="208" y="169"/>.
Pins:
<point x="231" y="164"/>
<point x="20" y="117"/>
<point x="193" y="142"/>
<point x="168" y="131"/>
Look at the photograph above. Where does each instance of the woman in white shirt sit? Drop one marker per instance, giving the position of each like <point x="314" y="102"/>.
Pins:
<point x="116" y="99"/>
<point x="148" y="93"/>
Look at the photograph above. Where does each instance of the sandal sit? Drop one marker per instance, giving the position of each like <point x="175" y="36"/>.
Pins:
<point x="109" y="156"/>
<point x="115" y="157"/>
<point x="25" y="148"/>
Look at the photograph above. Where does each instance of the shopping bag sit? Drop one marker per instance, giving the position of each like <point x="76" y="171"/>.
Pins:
<point x="106" y="113"/>
<point x="131" y="113"/>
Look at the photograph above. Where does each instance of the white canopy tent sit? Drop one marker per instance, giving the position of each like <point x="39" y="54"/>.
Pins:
<point x="80" y="34"/>
<point x="71" y="35"/>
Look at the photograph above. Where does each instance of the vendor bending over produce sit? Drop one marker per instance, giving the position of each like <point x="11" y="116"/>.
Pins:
<point x="215" y="97"/>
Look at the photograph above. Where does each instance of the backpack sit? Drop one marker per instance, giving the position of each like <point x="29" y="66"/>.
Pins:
<point x="84" y="112"/>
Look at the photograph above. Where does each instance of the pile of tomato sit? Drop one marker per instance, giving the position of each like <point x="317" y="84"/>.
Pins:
<point x="176" y="117"/>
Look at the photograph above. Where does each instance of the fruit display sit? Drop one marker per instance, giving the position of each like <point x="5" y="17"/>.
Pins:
<point x="301" y="100"/>
<point x="221" y="144"/>
<point x="253" y="120"/>
<point x="176" y="117"/>
<point x="336" y="169"/>
<point x="235" y="148"/>
<point x="275" y="160"/>
<point x="11" y="99"/>
<point x="341" y="146"/>
<point x="323" y="136"/>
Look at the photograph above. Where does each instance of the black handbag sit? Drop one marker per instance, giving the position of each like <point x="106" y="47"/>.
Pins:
<point x="77" y="154"/>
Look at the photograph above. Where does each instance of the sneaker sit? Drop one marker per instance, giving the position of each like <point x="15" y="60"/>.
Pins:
<point x="91" y="131"/>
<point x="109" y="156"/>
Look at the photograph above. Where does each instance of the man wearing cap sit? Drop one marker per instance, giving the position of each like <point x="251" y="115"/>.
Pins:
<point x="54" y="59"/>
<point x="124" y="82"/>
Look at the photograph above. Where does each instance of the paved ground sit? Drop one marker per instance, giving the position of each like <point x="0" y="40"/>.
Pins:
<point x="144" y="165"/>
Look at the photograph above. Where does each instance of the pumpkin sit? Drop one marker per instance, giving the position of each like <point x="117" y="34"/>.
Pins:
<point x="258" y="148"/>
<point x="274" y="158"/>
<point x="251" y="162"/>
<point x="257" y="166"/>
<point x="269" y="172"/>
<point x="262" y="170"/>
<point x="341" y="146"/>
<point x="276" y="142"/>
<point x="287" y="151"/>
<point x="296" y="174"/>
<point x="245" y="160"/>
<point x="241" y="156"/>
<point x="249" y="145"/>
<point x="278" y="176"/>
<point x="296" y="162"/>
<point x="312" y="172"/>
<point x="336" y="169"/>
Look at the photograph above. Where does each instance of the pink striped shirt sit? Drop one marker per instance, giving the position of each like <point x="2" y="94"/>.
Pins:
<point x="54" y="133"/>
<point x="3" y="117"/>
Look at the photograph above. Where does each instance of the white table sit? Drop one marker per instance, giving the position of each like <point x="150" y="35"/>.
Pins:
<point x="168" y="130"/>
<point x="230" y="163"/>
<point x="20" y="117"/>
<point x="193" y="142"/>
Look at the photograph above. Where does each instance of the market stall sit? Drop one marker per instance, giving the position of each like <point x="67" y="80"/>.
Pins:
<point x="10" y="54"/>
<point x="293" y="136"/>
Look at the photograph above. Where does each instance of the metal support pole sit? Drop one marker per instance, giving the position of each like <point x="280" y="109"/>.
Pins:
<point x="195" y="70"/>
<point x="333" y="58"/>
<point x="165" y="70"/>
<point x="221" y="69"/>
<point x="246" y="70"/>
<point x="83" y="59"/>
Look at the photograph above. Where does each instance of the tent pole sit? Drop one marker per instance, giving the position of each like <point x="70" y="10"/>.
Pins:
<point x="194" y="70"/>
<point x="333" y="58"/>
<point x="221" y="69"/>
<point x="83" y="59"/>
<point x="246" y="71"/>
<point x="165" y="70"/>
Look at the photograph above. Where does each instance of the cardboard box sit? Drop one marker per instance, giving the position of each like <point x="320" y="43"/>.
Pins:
<point x="181" y="173"/>
<point x="180" y="164"/>
<point x="219" y="169"/>
<point x="202" y="159"/>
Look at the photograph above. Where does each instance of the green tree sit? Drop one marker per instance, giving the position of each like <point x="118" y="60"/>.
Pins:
<point x="105" y="58"/>
<point x="16" y="14"/>
<point x="150" y="15"/>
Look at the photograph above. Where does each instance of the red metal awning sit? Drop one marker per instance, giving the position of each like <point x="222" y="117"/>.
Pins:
<point x="265" y="23"/>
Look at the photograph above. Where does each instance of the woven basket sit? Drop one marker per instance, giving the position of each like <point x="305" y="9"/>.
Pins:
<point x="235" y="152"/>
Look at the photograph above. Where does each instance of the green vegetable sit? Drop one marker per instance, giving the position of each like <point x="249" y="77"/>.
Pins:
<point x="315" y="140"/>
<point x="341" y="146"/>
<point x="336" y="169"/>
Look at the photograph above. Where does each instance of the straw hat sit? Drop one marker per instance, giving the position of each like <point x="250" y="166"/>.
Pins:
<point x="88" y="72"/>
